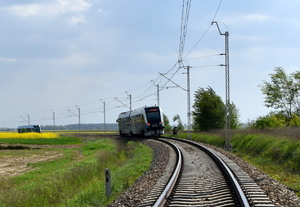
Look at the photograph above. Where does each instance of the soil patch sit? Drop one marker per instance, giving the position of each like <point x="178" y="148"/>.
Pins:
<point x="16" y="159"/>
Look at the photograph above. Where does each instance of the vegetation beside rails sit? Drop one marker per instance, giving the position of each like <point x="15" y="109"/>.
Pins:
<point x="77" y="178"/>
<point x="277" y="156"/>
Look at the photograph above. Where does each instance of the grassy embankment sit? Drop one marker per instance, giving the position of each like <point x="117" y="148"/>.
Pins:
<point x="77" y="177"/>
<point x="275" y="155"/>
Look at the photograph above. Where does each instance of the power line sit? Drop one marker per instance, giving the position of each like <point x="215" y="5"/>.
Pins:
<point x="206" y="31"/>
<point x="214" y="18"/>
<point x="184" y="23"/>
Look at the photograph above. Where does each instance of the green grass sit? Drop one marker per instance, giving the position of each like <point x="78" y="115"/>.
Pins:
<point x="77" y="178"/>
<point x="277" y="156"/>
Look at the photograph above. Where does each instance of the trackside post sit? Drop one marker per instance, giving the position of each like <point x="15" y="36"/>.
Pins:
<point x="107" y="182"/>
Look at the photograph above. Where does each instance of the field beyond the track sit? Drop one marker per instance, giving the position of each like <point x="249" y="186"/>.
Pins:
<point x="68" y="171"/>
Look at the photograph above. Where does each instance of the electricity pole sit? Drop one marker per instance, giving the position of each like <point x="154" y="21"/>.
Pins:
<point x="228" y="145"/>
<point x="104" y="115"/>
<point x="188" y="90"/>
<point x="157" y="92"/>
<point x="78" y="118"/>
<point x="28" y="118"/>
<point x="188" y="102"/>
<point x="53" y="116"/>
<point x="78" y="108"/>
<point x="130" y="103"/>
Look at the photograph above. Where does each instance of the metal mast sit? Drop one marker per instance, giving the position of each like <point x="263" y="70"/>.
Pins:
<point x="157" y="91"/>
<point x="130" y="102"/>
<point x="104" y="118"/>
<point x="228" y="145"/>
<point x="79" y="124"/>
<point x="188" y="101"/>
<point x="157" y="94"/>
<point x="53" y="117"/>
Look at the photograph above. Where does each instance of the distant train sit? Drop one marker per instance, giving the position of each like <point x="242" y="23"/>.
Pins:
<point x="146" y="122"/>
<point x="29" y="128"/>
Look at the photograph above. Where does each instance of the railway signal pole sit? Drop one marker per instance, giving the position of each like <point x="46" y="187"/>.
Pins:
<point x="228" y="145"/>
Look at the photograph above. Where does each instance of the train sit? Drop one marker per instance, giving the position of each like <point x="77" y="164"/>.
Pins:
<point x="29" y="128"/>
<point x="145" y="122"/>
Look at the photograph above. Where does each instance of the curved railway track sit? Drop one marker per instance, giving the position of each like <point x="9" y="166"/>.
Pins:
<point x="201" y="178"/>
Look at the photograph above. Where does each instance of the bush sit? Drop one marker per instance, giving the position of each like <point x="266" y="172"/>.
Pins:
<point x="281" y="151"/>
<point x="295" y="121"/>
<point x="270" y="121"/>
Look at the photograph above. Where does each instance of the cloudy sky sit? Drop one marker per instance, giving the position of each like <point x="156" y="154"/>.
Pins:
<point x="62" y="55"/>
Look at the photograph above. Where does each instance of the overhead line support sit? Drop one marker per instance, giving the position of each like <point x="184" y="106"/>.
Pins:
<point x="228" y="145"/>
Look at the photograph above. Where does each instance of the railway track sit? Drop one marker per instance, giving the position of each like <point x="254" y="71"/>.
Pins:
<point x="199" y="176"/>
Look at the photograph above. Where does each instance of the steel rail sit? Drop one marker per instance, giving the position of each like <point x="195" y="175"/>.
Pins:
<point x="225" y="169"/>
<point x="170" y="186"/>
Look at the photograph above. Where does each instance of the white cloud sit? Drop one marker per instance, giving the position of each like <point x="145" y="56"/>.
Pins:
<point x="73" y="5"/>
<point x="78" y="19"/>
<point x="7" y="60"/>
<point x="26" y="10"/>
<point x="256" y="17"/>
<point x="55" y="8"/>
<point x="77" y="60"/>
<point x="242" y="19"/>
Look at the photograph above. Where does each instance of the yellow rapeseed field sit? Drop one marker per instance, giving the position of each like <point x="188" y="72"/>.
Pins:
<point x="31" y="135"/>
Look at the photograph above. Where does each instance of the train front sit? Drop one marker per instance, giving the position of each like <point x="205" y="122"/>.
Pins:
<point x="155" y="123"/>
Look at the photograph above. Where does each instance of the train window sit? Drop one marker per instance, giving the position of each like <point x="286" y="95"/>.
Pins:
<point x="153" y="116"/>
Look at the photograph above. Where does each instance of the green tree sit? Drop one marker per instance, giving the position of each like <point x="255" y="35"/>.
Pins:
<point x="234" y="116"/>
<point x="282" y="92"/>
<point x="168" y="127"/>
<point x="209" y="110"/>
<point x="180" y="126"/>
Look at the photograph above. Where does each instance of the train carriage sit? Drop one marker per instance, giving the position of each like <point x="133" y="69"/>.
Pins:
<point x="29" y="128"/>
<point x="146" y="121"/>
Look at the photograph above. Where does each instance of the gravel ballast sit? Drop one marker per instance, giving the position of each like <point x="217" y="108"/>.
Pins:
<point x="278" y="193"/>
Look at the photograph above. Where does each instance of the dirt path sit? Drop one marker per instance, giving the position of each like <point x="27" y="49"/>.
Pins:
<point x="12" y="166"/>
<point x="17" y="159"/>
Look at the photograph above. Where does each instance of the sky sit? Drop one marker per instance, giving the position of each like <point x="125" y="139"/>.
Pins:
<point x="64" y="55"/>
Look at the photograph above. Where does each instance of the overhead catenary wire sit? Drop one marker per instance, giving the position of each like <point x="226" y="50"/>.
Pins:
<point x="186" y="5"/>
<point x="206" y="31"/>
